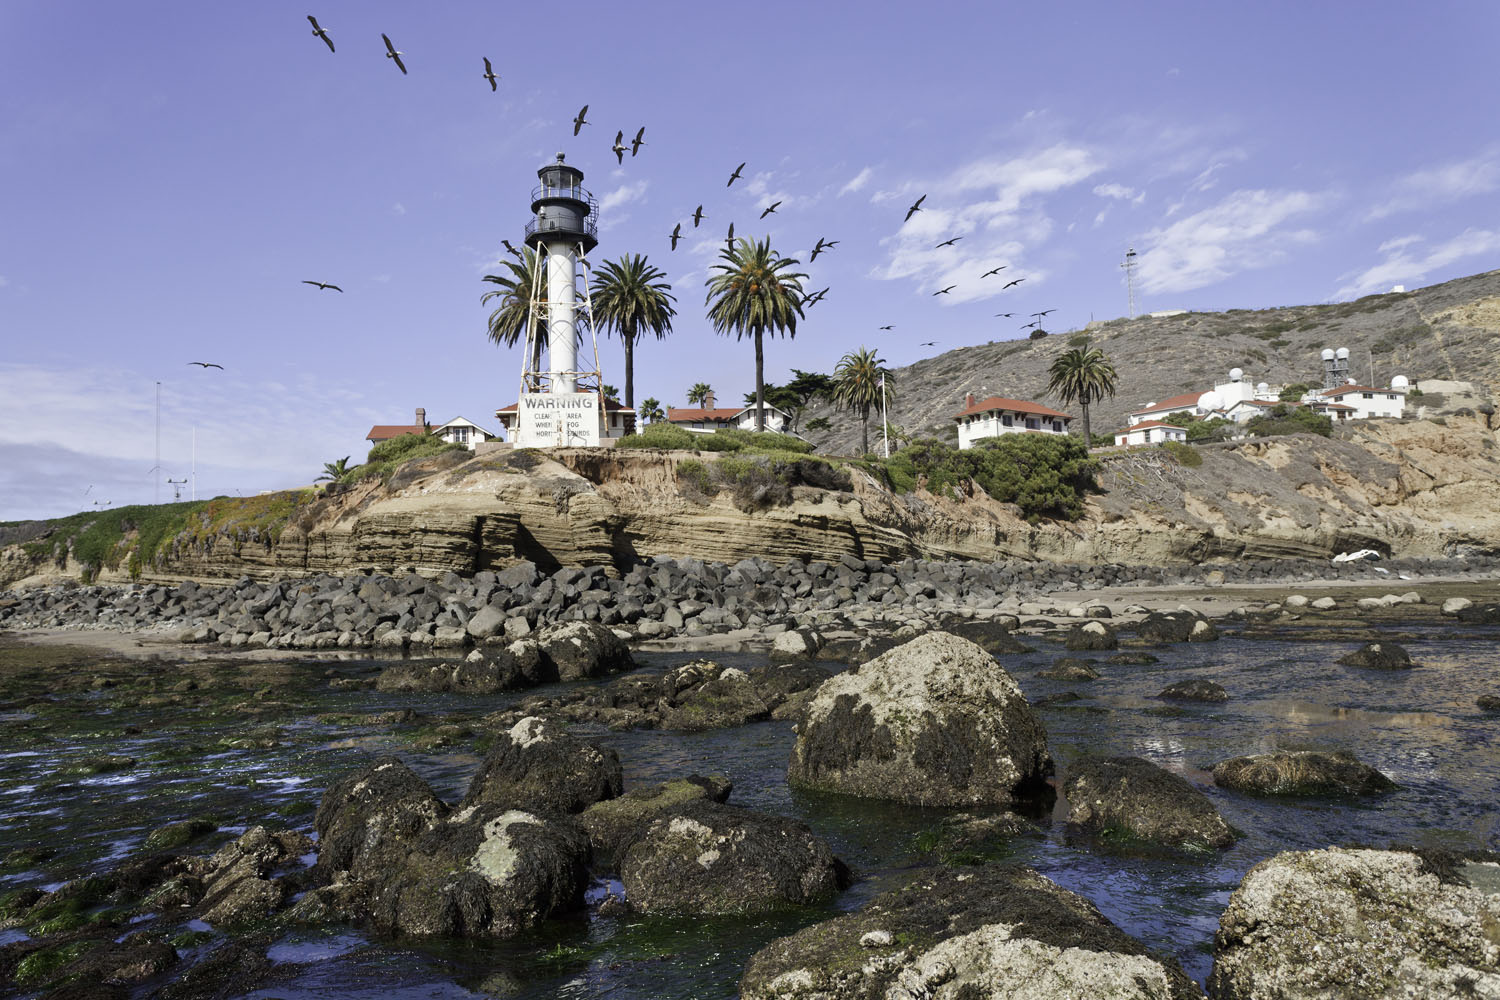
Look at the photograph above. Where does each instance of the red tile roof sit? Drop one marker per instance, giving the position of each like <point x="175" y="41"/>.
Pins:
<point x="675" y="414"/>
<point x="1175" y="403"/>
<point x="1332" y="406"/>
<point x="384" y="432"/>
<point x="1150" y="423"/>
<point x="1341" y="390"/>
<point x="1015" y="405"/>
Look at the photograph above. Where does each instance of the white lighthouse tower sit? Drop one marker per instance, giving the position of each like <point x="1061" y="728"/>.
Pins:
<point x="561" y="405"/>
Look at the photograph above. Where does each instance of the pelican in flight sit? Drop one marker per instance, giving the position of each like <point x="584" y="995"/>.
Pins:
<point x="392" y="53"/>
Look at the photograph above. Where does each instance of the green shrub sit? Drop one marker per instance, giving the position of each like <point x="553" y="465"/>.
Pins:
<point x="1295" y="391"/>
<point x="1216" y="429"/>
<point x="1284" y="419"/>
<point x="1183" y="454"/>
<point x="670" y="436"/>
<point x="386" y="456"/>
<point x="1078" y="340"/>
<point x="1046" y="475"/>
<point x="694" y="480"/>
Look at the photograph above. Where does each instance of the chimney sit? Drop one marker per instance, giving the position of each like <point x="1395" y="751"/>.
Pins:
<point x="708" y="400"/>
<point x="968" y="401"/>
<point x="421" y="417"/>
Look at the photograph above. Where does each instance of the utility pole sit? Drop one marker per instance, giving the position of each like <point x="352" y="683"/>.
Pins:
<point x="1129" y="267"/>
<point x="156" y="469"/>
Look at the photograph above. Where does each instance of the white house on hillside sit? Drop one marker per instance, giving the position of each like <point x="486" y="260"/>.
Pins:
<point x="1150" y="432"/>
<point x="459" y="430"/>
<point x="997" y="415"/>
<point x="1365" y="401"/>
<point x="709" y="418"/>
<point x="1221" y="397"/>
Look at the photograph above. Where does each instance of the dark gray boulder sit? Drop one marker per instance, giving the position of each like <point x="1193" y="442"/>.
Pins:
<point x="1488" y="702"/>
<point x="1480" y="614"/>
<point x="238" y="883"/>
<point x="1093" y="637"/>
<point x="1359" y="923"/>
<point x="711" y="859"/>
<point x="1378" y="656"/>
<point x="991" y="635"/>
<point x="539" y="767"/>
<point x="367" y="821"/>
<point x="966" y="933"/>
<point x="725" y="699"/>
<point x="614" y="824"/>
<point x="1070" y="668"/>
<point x="1306" y="772"/>
<point x="1136" y="799"/>
<point x="936" y="721"/>
<point x="1196" y="689"/>
<point x="583" y="650"/>
<point x="1176" y="626"/>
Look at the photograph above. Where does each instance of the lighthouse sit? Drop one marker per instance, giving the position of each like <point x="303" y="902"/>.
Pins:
<point x="561" y="405"/>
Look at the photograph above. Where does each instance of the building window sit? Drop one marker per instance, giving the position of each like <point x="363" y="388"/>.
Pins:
<point x="1032" y="424"/>
<point x="1057" y="426"/>
<point x="1367" y="395"/>
<point x="1147" y="438"/>
<point x="1007" y="421"/>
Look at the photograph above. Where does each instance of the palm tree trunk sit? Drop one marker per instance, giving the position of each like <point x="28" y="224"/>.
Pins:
<point x="760" y="384"/>
<point x="1088" y="438"/>
<point x="628" y="339"/>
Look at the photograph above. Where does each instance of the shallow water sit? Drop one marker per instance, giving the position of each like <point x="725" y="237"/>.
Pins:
<point x="1420" y="727"/>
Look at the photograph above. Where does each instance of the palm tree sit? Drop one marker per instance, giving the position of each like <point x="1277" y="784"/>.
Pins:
<point x="1085" y="376"/>
<point x="631" y="298"/>
<point x="507" y="326"/>
<point x="755" y="294"/>
<point x="334" y="471"/>
<point x="699" y="393"/>
<point x="857" y="385"/>
<point x="651" y="411"/>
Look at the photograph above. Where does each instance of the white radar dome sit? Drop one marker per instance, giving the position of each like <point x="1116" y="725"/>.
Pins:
<point x="1262" y="387"/>
<point x="1327" y="354"/>
<point x="1400" y="382"/>
<point x="1235" y="374"/>
<point x="1342" y="354"/>
<point x="1211" y="400"/>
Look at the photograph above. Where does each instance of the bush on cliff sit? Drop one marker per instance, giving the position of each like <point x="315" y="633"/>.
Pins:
<point x="674" y="438"/>
<point x="387" y="455"/>
<point x="1046" y="475"/>
<point x="1289" y="420"/>
<point x="756" y="481"/>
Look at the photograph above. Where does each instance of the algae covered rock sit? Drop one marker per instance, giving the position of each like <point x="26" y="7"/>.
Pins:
<point x="1305" y="772"/>
<point x="539" y="767"/>
<point x="583" y="650"/>
<point x="712" y="859"/>
<point x="615" y="824"/>
<point x="1176" y="626"/>
<point x="1359" y="923"/>
<point x="936" y="721"/>
<point x="367" y="820"/>
<point x="1093" y="637"/>
<point x="961" y="934"/>
<point x="1378" y="656"/>
<point x="1194" y="690"/>
<point x="722" y="701"/>
<point x="1136" y="798"/>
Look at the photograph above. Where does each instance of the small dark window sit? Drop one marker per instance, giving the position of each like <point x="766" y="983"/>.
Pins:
<point x="1368" y="395"/>
<point x="1007" y="421"/>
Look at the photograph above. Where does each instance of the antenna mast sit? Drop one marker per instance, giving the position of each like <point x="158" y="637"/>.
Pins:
<point x="1129" y="268"/>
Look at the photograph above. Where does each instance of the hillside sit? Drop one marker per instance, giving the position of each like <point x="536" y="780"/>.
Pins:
<point x="1446" y="331"/>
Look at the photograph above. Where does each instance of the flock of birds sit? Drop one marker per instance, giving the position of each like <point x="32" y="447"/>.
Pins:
<point x="619" y="148"/>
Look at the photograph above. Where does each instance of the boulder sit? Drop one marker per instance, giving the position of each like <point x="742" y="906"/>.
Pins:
<point x="366" y="822"/>
<point x="487" y="621"/>
<point x="1109" y="796"/>
<point x="1296" y="601"/>
<point x="237" y="880"/>
<point x="726" y="700"/>
<point x="966" y="933"/>
<point x="1305" y="772"/>
<point x="1324" y="604"/>
<point x="708" y="859"/>
<point x="1480" y="614"/>
<point x="936" y="721"/>
<point x="614" y="824"/>
<point x="1070" y="668"/>
<point x="1095" y="636"/>
<point x="1378" y="656"/>
<point x="777" y="682"/>
<point x="993" y="635"/>
<point x="1176" y="626"/>
<point x="1488" y="702"/>
<point x="1453" y="605"/>
<point x="539" y="767"/>
<point x="1194" y="690"/>
<point x="796" y="644"/>
<point x="581" y="650"/>
<point x="1359" y="923"/>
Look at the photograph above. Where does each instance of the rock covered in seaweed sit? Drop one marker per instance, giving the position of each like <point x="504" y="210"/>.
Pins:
<point x="1130" y="795"/>
<point x="1303" y="772"/>
<point x="537" y="766"/>
<point x="936" y="721"/>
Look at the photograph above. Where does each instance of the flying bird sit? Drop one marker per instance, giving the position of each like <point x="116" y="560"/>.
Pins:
<point x="888" y="327"/>
<point x="676" y="235"/>
<point x="619" y="147"/>
<point x="489" y="74"/>
<point x="1005" y="315"/>
<point x="322" y="285"/>
<point x="511" y="250"/>
<point x="768" y="211"/>
<point x="945" y="291"/>
<point x="1044" y="312"/>
<point x="823" y="247"/>
<point x="579" y="122"/>
<point x="947" y="243"/>
<point x="730" y="238"/>
<point x="320" y="32"/>
<point x="392" y="53"/>
<point x="206" y="364"/>
<point x="1028" y="326"/>
<point x="637" y="142"/>
<point x="928" y="343"/>
<point x="916" y="207"/>
<point x="736" y="175"/>
<point x="1016" y="282"/>
<point x="994" y="270"/>
<point x="698" y="216"/>
<point x="812" y="300"/>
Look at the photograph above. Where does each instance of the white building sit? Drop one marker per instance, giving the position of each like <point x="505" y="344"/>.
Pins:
<point x="709" y="418"/>
<point x="459" y="430"/>
<point x="1365" y="401"/>
<point x="1203" y="404"/>
<point x="997" y="415"/>
<point x="1150" y="432"/>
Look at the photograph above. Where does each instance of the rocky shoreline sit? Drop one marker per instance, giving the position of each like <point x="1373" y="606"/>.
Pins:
<point x="659" y="599"/>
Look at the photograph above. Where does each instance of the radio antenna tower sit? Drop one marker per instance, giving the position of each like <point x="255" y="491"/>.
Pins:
<point x="1129" y="267"/>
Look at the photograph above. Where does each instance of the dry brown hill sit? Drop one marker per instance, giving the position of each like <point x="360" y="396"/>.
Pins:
<point x="1446" y="331"/>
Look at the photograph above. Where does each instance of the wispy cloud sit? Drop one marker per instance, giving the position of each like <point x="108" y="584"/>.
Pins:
<point x="1441" y="185"/>
<point x="398" y="209"/>
<point x="857" y="182"/>
<point x="4" y="281"/>
<point x="1242" y="232"/>
<point x="1120" y="192"/>
<point x="623" y="195"/>
<point x="1408" y="261"/>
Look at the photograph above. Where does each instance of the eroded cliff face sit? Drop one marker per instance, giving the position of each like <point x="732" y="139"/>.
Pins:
<point x="1415" y="489"/>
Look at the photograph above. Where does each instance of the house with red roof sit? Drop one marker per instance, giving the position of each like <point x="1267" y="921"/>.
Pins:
<point x="992" y="417"/>
<point x="709" y="418"/>
<point x="1363" y="401"/>
<point x="459" y="430"/>
<point x="1150" y="432"/>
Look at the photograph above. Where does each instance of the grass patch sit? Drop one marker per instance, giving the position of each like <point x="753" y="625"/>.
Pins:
<point x="1183" y="453"/>
<point x="387" y="456"/>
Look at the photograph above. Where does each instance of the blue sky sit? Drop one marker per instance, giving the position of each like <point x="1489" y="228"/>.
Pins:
<point x="170" y="173"/>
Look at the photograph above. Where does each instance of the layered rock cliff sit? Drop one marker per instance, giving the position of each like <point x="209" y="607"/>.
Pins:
<point x="1420" y="489"/>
